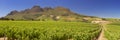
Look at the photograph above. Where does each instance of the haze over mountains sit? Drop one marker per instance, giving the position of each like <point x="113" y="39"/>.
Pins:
<point x="46" y="14"/>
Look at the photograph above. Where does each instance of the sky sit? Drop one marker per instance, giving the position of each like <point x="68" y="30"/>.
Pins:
<point x="100" y="8"/>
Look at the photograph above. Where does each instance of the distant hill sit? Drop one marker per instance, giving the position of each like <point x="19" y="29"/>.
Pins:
<point x="46" y="14"/>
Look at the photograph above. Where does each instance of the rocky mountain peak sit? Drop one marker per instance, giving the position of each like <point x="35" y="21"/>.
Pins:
<point x="36" y="9"/>
<point x="13" y="12"/>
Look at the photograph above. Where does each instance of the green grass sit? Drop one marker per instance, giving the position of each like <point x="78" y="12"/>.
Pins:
<point x="113" y="31"/>
<point x="36" y="30"/>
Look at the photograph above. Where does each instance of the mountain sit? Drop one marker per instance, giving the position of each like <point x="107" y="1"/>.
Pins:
<point x="46" y="14"/>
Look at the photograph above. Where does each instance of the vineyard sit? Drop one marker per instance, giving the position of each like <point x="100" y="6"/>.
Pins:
<point x="36" y="30"/>
<point x="113" y="31"/>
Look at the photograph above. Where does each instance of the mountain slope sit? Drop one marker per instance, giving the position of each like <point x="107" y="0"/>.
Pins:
<point x="46" y="14"/>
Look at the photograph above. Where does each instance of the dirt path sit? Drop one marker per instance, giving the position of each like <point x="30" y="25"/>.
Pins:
<point x="3" y="38"/>
<point x="102" y="36"/>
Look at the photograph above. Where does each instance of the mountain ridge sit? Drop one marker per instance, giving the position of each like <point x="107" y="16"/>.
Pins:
<point x="45" y="14"/>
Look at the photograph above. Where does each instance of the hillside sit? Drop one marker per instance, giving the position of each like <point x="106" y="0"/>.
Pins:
<point x="46" y="14"/>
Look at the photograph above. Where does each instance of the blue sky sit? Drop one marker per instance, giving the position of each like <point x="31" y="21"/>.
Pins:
<point x="101" y="8"/>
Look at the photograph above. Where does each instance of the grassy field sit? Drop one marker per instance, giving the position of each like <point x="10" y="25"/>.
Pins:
<point x="113" y="31"/>
<point x="36" y="30"/>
